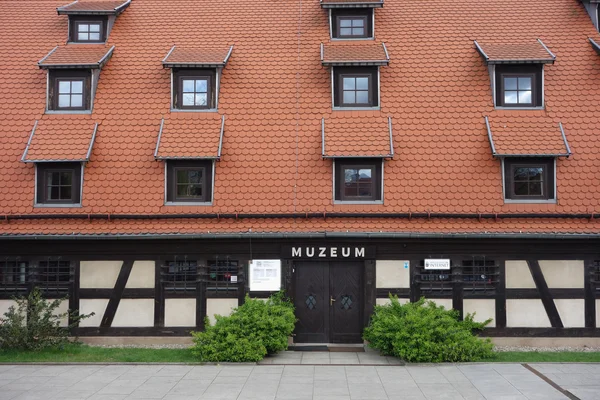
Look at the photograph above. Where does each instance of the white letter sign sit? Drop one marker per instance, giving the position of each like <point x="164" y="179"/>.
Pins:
<point x="265" y="275"/>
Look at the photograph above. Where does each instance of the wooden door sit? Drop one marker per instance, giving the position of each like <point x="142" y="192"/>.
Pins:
<point x="311" y="299"/>
<point x="347" y="298"/>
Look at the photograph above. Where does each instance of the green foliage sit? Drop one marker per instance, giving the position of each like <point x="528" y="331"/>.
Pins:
<point x="425" y="332"/>
<point x="253" y="330"/>
<point x="34" y="324"/>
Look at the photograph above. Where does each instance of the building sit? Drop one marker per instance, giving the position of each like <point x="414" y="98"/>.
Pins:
<point x="152" y="149"/>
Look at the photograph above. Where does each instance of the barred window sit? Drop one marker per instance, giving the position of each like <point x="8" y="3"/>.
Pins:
<point x="180" y="275"/>
<point x="53" y="277"/>
<point x="13" y="277"/>
<point x="223" y="274"/>
<point x="435" y="281"/>
<point x="480" y="274"/>
<point x="596" y="274"/>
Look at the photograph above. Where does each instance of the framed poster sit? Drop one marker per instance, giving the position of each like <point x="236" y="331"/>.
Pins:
<point x="265" y="275"/>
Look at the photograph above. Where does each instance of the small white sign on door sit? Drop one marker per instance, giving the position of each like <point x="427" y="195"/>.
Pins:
<point x="437" y="263"/>
<point x="265" y="275"/>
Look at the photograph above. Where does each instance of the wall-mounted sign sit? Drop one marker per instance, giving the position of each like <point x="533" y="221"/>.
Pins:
<point x="265" y="275"/>
<point x="329" y="252"/>
<point x="437" y="263"/>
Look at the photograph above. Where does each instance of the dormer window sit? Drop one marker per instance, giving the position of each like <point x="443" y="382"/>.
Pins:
<point x="90" y="21"/>
<point x="195" y="75"/>
<point x="352" y="23"/>
<point x="517" y="73"/>
<point x="88" y="31"/>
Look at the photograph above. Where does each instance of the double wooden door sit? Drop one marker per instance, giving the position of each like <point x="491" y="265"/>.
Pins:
<point x="329" y="300"/>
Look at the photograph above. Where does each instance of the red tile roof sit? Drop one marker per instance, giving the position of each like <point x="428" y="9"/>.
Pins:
<point x="275" y="92"/>
<point x="61" y="138"/>
<point x="190" y="135"/>
<point x="352" y="53"/>
<point x="498" y="53"/>
<point x="527" y="136"/>
<point x="94" y="7"/>
<point x="351" y="3"/>
<point x="347" y="136"/>
<point x="77" y="55"/>
<point x="216" y="57"/>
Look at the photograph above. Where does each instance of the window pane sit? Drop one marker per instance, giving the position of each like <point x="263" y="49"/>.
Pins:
<point x="350" y="189"/>
<point x="362" y="97"/>
<point x="65" y="192"/>
<point x="525" y="97"/>
<point x="345" y="23"/>
<point x="350" y="175"/>
<point x="349" y="97"/>
<point x="188" y="85"/>
<point x="94" y="36"/>
<point x="52" y="178"/>
<point x="364" y="190"/>
<point x="510" y="83"/>
<point x="510" y="97"/>
<point x="521" y="189"/>
<point x="349" y="83"/>
<point x="83" y="36"/>
<point x="358" y="22"/>
<point x="94" y="27"/>
<point x="201" y="99"/>
<point x="362" y="83"/>
<point x="358" y="31"/>
<point x="53" y="193"/>
<point x="525" y="83"/>
<point x="76" y="87"/>
<point x="182" y="190"/>
<point x="346" y="31"/>
<point x="195" y="176"/>
<point x="64" y="100"/>
<point x="83" y="28"/>
<point x="188" y="99"/>
<point x="196" y="190"/>
<point x="66" y="178"/>
<point x="535" y="174"/>
<point x="364" y="175"/>
<point x="64" y="87"/>
<point x="535" y="189"/>
<point x="201" y="85"/>
<point x="182" y="176"/>
<point x="76" y="100"/>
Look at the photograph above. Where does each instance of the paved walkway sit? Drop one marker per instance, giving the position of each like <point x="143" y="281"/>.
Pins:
<point x="298" y="382"/>
<point x="368" y="357"/>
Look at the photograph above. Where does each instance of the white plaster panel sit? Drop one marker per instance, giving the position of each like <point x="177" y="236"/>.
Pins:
<point x="142" y="275"/>
<point x="62" y="308"/>
<point x="99" y="274"/>
<point x="384" y="302"/>
<point x="219" y="307"/>
<point x="483" y="309"/>
<point x="447" y="303"/>
<point x="96" y="306"/>
<point x="134" y="313"/>
<point x="572" y="312"/>
<point x="526" y="313"/>
<point x="5" y="305"/>
<point x="392" y="274"/>
<point x="563" y="273"/>
<point x="518" y="275"/>
<point x="598" y="313"/>
<point x="180" y="312"/>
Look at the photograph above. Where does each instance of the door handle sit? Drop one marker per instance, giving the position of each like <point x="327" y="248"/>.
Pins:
<point x="331" y="300"/>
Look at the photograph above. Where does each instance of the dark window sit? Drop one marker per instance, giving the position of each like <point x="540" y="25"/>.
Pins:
<point x="189" y="181"/>
<point x="14" y="276"/>
<point x="223" y="274"/>
<point x="87" y="29"/>
<point x="53" y="277"/>
<point x="194" y="89"/>
<point x="69" y="90"/>
<point x="519" y="85"/>
<point x="58" y="183"/>
<point x="352" y="23"/>
<point x="480" y="274"/>
<point x="355" y="87"/>
<point x="596" y="275"/>
<point x="529" y="178"/>
<point x="180" y="275"/>
<point x="434" y="281"/>
<point x="358" y="180"/>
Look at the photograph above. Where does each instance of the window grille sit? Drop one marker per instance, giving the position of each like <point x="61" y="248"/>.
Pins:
<point x="54" y="278"/>
<point x="223" y="275"/>
<point x="596" y="275"/>
<point x="180" y="276"/>
<point x="434" y="281"/>
<point x="480" y="275"/>
<point x="14" y="277"/>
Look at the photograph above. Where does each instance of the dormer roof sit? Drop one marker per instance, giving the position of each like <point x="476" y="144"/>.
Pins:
<point x="515" y="53"/>
<point x="94" y="7"/>
<point x="351" y="3"/>
<point x="353" y="54"/>
<point x="207" y="57"/>
<point x="93" y="56"/>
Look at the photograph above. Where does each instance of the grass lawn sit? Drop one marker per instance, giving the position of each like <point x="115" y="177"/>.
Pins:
<point x="73" y="353"/>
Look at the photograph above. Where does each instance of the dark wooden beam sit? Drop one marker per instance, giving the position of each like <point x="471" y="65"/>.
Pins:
<point x="540" y="332"/>
<point x="370" y="291"/>
<point x="159" y="297"/>
<point x="137" y="293"/>
<point x="535" y="294"/>
<point x="147" y="331"/>
<point x="117" y="294"/>
<point x="74" y="292"/>
<point x="545" y="295"/>
<point x="590" y="295"/>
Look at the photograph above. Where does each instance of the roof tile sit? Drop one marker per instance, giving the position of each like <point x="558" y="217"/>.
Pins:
<point x="95" y="6"/>
<point x="191" y="135"/>
<point x="198" y="56"/>
<point x="70" y="55"/>
<point x="347" y="136"/>
<point x="352" y="53"/>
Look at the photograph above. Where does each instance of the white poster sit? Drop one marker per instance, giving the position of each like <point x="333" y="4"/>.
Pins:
<point x="265" y="275"/>
<point x="437" y="263"/>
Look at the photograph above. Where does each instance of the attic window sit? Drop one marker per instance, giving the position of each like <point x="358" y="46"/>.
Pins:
<point x="69" y="90"/>
<point x="88" y="30"/>
<point x="193" y="89"/>
<point x="352" y="23"/>
<point x="529" y="179"/>
<point x="519" y="85"/>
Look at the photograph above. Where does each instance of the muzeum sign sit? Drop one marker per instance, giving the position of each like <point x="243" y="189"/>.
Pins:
<point x="329" y="252"/>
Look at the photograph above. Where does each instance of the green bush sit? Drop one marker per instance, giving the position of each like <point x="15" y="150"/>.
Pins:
<point x="253" y="330"/>
<point x="34" y="324"/>
<point x="425" y="332"/>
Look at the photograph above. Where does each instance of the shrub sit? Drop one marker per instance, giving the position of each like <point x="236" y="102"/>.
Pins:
<point x="425" y="332"/>
<point x="34" y="323"/>
<point x="253" y="330"/>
